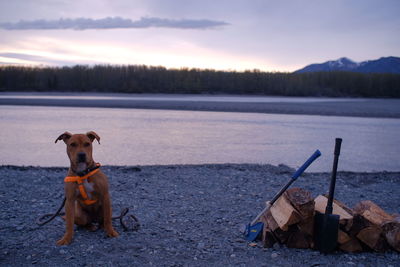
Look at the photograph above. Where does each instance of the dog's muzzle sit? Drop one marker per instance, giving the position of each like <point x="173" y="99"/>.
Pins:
<point x="81" y="157"/>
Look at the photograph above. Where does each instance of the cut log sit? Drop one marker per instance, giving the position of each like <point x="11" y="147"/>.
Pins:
<point x="302" y="201"/>
<point x="343" y="237"/>
<point x="320" y="206"/>
<point x="282" y="236"/>
<point x="373" y="238"/>
<point x="299" y="239"/>
<point x="359" y="223"/>
<point x="307" y="226"/>
<point x="366" y="227"/>
<point x="353" y="245"/>
<point x="269" y="221"/>
<point x="391" y="231"/>
<point x="283" y="213"/>
<point x="372" y="213"/>
<point x="268" y="237"/>
<point x="342" y="205"/>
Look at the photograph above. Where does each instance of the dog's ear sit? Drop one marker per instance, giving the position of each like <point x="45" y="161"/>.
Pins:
<point x="65" y="136"/>
<point x="92" y="135"/>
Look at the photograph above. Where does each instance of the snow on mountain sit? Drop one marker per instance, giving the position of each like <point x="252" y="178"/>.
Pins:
<point x="382" y="65"/>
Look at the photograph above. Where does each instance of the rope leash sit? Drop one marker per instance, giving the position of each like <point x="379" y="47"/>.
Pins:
<point x="40" y="221"/>
<point x="123" y="218"/>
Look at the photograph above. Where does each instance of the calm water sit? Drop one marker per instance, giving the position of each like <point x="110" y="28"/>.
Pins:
<point x="153" y="137"/>
<point x="177" y="97"/>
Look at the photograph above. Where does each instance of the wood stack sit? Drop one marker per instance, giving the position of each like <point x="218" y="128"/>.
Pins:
<point x="367" y="227"/>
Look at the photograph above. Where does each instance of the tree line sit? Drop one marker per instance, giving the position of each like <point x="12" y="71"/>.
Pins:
<point x="146" y="79"/>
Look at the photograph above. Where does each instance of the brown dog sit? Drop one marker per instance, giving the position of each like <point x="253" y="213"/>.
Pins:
<point x="90" y="201"/>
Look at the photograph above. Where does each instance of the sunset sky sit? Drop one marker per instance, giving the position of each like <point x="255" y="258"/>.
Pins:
<point x="268" y="35"/>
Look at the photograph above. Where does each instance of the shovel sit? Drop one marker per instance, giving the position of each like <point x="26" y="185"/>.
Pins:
<point x="326" y="226"/>
<point x="253" y="229"/>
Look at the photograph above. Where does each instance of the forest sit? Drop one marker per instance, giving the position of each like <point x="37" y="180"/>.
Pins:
<point x="147" y="79"/>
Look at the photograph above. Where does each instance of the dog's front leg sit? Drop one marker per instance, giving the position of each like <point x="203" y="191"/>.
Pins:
<point x="69" y="220"/>
<point x="108" y="217"/>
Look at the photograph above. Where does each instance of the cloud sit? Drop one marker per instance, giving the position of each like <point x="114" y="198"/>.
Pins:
<point x="112" y="23"/>
<point x="22" y="58"/>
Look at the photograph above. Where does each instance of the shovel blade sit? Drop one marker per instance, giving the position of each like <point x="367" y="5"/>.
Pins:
<point x="326" y="228"/>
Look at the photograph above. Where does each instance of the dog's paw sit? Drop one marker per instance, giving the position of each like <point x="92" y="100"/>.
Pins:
<point x="112" y="233"/>
<point x="66" y="240"/>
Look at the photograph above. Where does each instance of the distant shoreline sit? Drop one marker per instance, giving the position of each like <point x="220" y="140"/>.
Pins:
<point x="354" y="107"/>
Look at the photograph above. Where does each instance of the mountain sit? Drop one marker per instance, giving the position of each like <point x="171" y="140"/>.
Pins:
<point x="382" y="65"/>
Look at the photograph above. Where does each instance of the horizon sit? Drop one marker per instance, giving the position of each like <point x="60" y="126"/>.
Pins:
<point x="182" y="68"/>
<point x="218" y="35"/>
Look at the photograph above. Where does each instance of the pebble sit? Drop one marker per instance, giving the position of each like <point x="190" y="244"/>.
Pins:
<point x="274" y="255"/>
<point x="201" y="245"/>
<point x="276" y="246"/>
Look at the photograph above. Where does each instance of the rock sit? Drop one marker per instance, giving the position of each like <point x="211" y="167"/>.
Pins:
<point x="276" y="246"/>
<point x="274" y="255"/>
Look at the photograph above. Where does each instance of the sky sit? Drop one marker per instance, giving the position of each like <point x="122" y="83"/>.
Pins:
<point x="268" y="35"/>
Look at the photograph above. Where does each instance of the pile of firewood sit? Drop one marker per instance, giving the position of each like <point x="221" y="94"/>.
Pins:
<point x="366" y="227"/>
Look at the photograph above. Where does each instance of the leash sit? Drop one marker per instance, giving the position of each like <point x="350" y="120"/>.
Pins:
<point x="122" y="218"/>
<point x="42" y="220"/>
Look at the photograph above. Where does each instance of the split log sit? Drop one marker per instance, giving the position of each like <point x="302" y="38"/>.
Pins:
<point x="359" y="223"/>
<point x="373" y="238"/>
<point x="342" y="205"/>
<point x="353" y="245"/>
<point x="343" y="237"/>
<point x="270" y="225"/>
<point x="269" y="221"/>
<point x="379" y="229"/>
<point x="372" y="213"/>
<point x="299" y="239"/>
<point x="283" y="236"/>
<point x="307" y="226"/>
<point x="392" y="233"/>
<point x="268" y="238"/>
<point x="302" y="201"/>
<point x="284" y="213"/>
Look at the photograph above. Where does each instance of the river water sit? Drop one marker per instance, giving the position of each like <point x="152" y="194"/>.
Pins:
<point x="154" y="137"/>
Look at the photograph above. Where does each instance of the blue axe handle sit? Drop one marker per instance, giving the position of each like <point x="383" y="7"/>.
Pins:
<point x="296" y="175"/>
<point x="310" y="160"/>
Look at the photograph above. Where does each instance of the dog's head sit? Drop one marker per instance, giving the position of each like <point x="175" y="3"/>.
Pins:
<point x="79" y="149"/>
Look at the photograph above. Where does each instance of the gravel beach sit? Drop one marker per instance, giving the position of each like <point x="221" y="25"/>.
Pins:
<point x="190" y="216"/>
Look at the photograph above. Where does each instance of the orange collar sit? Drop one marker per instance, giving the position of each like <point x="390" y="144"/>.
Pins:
<point x="79" y="180"/>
